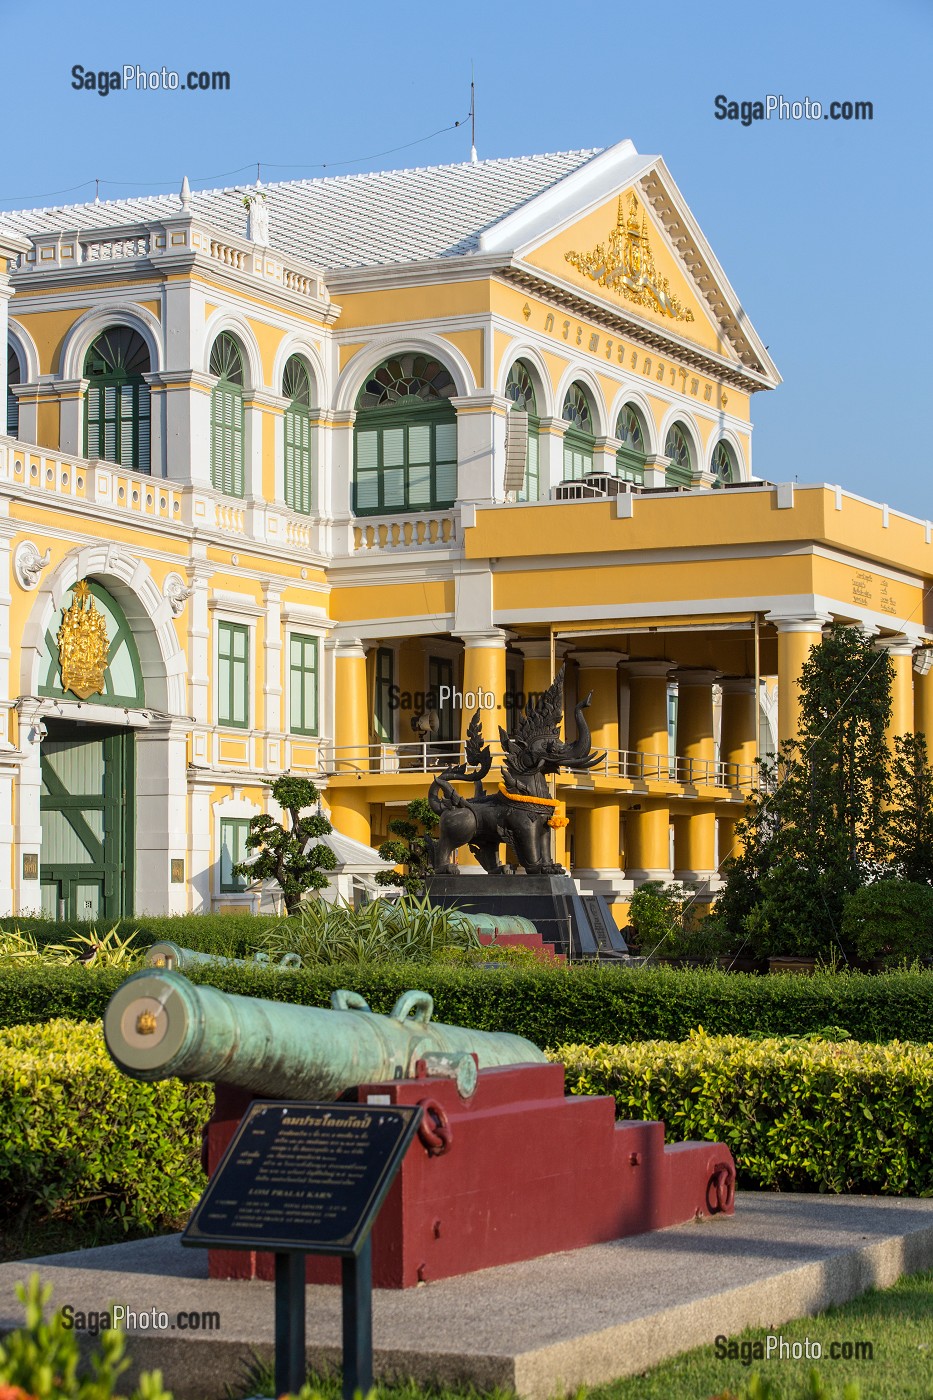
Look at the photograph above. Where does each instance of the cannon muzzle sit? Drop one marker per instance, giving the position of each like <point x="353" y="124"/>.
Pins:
<point x="158" y="1025"/>
<point x="172" y="957"/>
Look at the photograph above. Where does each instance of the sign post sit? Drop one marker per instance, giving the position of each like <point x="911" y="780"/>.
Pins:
<point x="308" y="1178"/>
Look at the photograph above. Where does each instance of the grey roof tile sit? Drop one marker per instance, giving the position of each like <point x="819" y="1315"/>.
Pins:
<point x="391" y="216"/>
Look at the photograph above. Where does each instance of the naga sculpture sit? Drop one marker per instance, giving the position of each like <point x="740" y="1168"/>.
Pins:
<point x="522" y="812"/>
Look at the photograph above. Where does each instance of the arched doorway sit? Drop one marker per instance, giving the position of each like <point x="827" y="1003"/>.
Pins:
<point x="87" y="799"/>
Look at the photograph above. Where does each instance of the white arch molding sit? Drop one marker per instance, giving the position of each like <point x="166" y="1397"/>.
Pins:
<point x="677" y="415"/>
<point x="297" y="344"/>
<point x="365" y="361"/>
<point x="88" y="327"/>
<point x="727" y="436"/>
<point x="26" y="351"/>
<point x="579" y="374"/>
<point x="222" y="320"/>
<point x="521" y="350"/>
<point x="148" y="613"/>
<point x="627" y="395"/>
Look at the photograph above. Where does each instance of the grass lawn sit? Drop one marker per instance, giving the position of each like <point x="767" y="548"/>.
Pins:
<point x="897" y="1321"/>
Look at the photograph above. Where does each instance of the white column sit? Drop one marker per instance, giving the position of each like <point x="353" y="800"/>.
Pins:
<point x="199" y="845"/>
<point x="481" y="427"/>
<point x="71" y="394"/>
<point x="656" y="467"/>
<point x="157" y="398"/>
<point x="272" y="678"/>
<point x="7" y="763"/>
<point x="27" y="832"/>
<point x="550" y="455"/>
<point x="337" y="479"/>
<point x="604" y="455"/>
<point x="200" y="573"/>
<point x="161" y="817"/>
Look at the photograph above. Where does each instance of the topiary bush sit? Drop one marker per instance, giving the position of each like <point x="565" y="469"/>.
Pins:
<point x="80" y="1139"/>
<point x="890" y="919"/>
<point x="550" y="1005"/>
<point x="797" y="1114"/>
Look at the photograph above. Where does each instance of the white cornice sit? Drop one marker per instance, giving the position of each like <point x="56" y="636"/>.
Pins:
<point x="564" y="295"/>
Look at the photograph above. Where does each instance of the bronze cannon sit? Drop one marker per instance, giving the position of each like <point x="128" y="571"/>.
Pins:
<point x="158" y="1025"/>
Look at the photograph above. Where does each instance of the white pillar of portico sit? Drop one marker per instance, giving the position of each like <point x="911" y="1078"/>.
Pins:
<point x="337" y="481"/>
<point x="481" y="426"/>
<point x="27" y="824"/>
<point x="550" y="455"/>
<point x="161" y="816"/>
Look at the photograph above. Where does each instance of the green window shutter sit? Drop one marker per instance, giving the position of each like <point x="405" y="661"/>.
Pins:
<point x="404" y="460"/>
<point x="383" y="717"/>
<point x="303" y="685"/>
<point x="298" y="473"/>
<point x="233" y="850"/>
<point x="529" y="491"/>
<point x="233" y="674"/>
<point x="227" y="440"/>
<point x="92" y="408"/>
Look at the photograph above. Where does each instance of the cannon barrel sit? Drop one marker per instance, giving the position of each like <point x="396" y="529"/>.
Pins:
<point x="171" y="956"/>
<point x="158" y="1025"/>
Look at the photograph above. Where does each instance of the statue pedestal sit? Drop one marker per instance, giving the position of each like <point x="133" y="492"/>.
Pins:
<point x="580" y="926"/>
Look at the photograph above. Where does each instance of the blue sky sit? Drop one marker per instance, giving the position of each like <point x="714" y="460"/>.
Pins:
<point x="821" y="226"/>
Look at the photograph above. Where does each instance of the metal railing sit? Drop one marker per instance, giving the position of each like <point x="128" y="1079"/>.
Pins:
<point x="624" y="764"/>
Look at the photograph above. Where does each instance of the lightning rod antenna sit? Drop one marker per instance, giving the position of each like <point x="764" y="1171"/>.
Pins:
<point x="473" y="156"/>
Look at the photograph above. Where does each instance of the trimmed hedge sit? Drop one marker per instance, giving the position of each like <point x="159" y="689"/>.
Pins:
<point x="81" y="1138"/>
<point x="796" y="1114"/>
<point x="228" y="935"/>
<point x="551" y="1006"/>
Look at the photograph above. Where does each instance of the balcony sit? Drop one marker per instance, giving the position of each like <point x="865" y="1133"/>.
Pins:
<point x="39" y="474"/>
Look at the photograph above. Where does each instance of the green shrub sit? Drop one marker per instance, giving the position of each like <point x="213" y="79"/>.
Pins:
<point x="411" y="929"/>
<point x="654" y="915"/>
<point x="549" y="1005"/>
<point x="797" y="1114"/>
<point x="891" y="919"/>
<point x="80" y="1139"/>
<point x="42" y="1359"/>
<point x="228" y="935"/>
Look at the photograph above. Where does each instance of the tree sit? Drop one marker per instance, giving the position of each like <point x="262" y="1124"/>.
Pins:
<point x="285" y="853"/>
<point x="820" y="824"/>
<point x="413" y="848"/>
<point x="911" y="819"/>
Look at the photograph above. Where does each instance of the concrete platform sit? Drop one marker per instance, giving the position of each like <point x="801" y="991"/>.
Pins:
<point x="541" y="1327"/>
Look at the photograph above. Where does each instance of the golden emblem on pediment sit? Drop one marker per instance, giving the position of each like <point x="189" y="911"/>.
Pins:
<point x="626" y="265"/>
<point x="82" y="645"/>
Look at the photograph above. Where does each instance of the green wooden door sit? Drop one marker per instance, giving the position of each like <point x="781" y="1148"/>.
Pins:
<point x="87" y="821"/>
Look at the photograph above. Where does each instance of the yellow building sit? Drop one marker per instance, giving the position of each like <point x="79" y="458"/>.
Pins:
<point x="329" y="453"/>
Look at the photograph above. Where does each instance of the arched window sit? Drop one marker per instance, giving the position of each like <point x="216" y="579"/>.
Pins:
<point x="296" y="387"/>
<point x="724" y="467"/>
<point x="14" y="375"/>
<point x="226" y="363"/>
<point x="579" y="439"/>
<point x="630" y="458"/>
<point x="116" y="406"/>
<point x="520" y="389"/>
<point x="677" y="448"/>
<point x="405" y="437"/>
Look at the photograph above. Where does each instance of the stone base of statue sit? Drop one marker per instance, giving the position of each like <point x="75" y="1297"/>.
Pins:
<point x="580" y="926"/>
